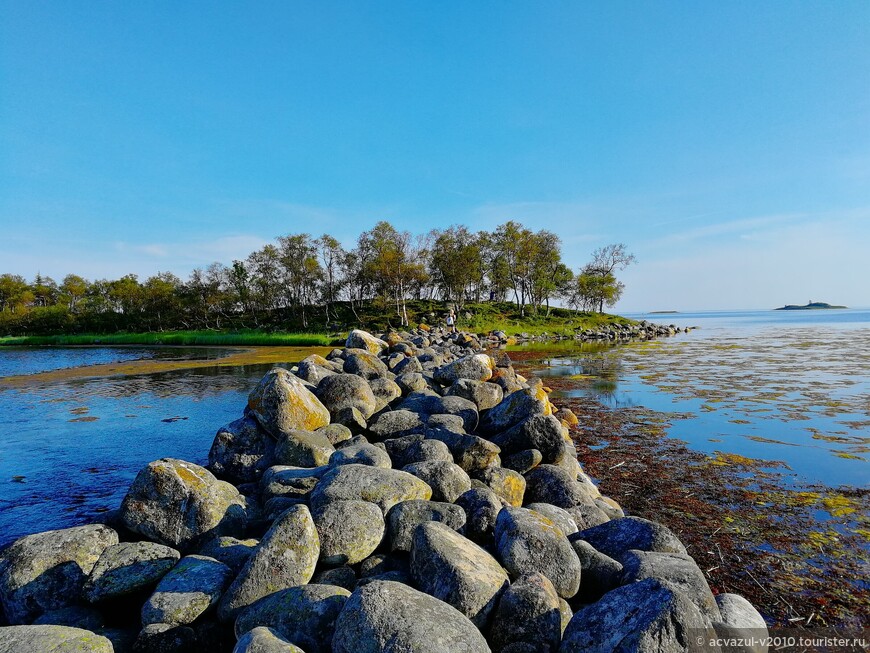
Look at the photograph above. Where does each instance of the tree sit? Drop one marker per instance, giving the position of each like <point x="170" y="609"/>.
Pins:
<point x="14" y="292"/>
<point x="331" y="256"/>
<point x="73" y="290"/>
<point x="456" y="263"/>
<point x="606" y="261"/>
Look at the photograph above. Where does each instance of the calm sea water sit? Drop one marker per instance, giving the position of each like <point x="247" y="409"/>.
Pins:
<point x="789" y="386"/>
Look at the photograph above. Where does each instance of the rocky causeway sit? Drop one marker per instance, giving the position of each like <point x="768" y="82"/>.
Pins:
<point x="408" y="492"/>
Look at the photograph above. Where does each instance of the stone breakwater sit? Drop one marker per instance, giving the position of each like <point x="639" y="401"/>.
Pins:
<point x="404" y="493"/>
<point x="607" y="333"/>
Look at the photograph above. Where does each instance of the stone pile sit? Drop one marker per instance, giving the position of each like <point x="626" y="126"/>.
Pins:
<point x="404" y="493"/>
<point x="642" y="330"/>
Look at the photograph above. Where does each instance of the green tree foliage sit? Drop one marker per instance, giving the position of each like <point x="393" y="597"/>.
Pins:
<point x="597" y="286"/>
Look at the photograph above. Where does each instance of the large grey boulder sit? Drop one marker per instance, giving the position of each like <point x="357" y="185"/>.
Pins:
<point x="383" y="487"/>
<point x="618" y="536"/>
<point x="241" y="451"/>
<point x="312" y="372"/>
<point x="51" y="639"/>
<point x="181" y="504"/>
<point x="304" y="615"/>
<point x="446" y="479"/>
<point x="509" y="486"/>
<point x="470" y="452"/>
<point x="286" y="556"/>
<point x="346" y="391"/>
<point x="46" y="571"/>
<point x="128" y="567"/>
<point x="601" y="573"/>
<point x="557" y="515"/>
<point x="644" y="617"/>
<point x="349" y="531"/>
<point x="675" y="569"/>
<point x="396" y="424"/>
<point x="484" y="395"/>
<point x="541" y="432"/>
<point x="514" y="408"/>
<point x="190" y="589"/>
<point x="264" y="640"/>
<point x="741" y="622"/>
<point x="528" y="612"/>
<point x="481" y="506"/>
<point x="359" y="339"/>
<point x="303" y="449"/>
<point x="552" y="484"/>
<point x="528" y="542"/>
<point x="74" y="616"/>
<point x="432" y="404"/>
<point x="419" y="451"/>
<point x="477" y="367"/>
<point x="404" y="518"/>
<point x="389" y="617"/>
<point x="364" y="364"/>
<point x="457" y="571"/>
<point x="281" y="403"/>
<point x="386" y="391"/>
<point x="362" y="454"/>
<point x="231" y="551"/>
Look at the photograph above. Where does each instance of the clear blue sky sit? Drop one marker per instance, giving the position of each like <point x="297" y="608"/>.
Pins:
<point x="727" y="144"/>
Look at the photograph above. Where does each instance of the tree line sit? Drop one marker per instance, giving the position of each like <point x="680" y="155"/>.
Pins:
<point x="317" y="278"/>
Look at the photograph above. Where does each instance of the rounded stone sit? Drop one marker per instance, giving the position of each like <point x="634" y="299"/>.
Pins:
<point x="349" y="531"/>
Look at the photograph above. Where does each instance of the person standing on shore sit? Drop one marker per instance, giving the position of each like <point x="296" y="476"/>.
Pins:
<point x="451" y="321"/>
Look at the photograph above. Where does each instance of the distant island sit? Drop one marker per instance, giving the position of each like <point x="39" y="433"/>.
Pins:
<point x="663" y="313"/>
<point x="811" y="306"/>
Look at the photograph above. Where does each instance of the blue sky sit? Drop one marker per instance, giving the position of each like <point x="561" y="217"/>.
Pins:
<point x="726" y="144"/>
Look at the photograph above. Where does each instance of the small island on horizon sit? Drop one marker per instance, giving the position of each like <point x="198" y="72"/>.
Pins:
<point x="810" y="306"/>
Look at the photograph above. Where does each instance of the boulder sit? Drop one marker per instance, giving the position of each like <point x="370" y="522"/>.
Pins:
<point x="313" y="373"/>
<point x="231" y="551"/>
<point x="481" y="506"/>
<point x="264" y="640"/>
<point x="477" y="367"/>
<point x="432" y="404"/>
<point x="386" y="391"/>
<point x="600" y="572"/>
<point x="557" y="515"/>
<point x="303" y="449"/>
<point x="446" y="479"/>
<point x="618" y="536"/>
<point x="506" y="483"/>
<point x="643" y="617"/>
<point x="46" y="571"/>
<point x="335" y="433"/>
<point x="411" y="381"/>
<point x="342" y="576"/>
<point x="513" y="409"/>
<point x="290" y="481"/>
<point x="182" y="505"/>
<point x="126" y="568"/>
<point x="165" y="638"/>
<point x="286" y="556"/>
<point x="677" y="570"/>
<point x="349" y="531"/>
<point x="528" y="542"/>
<point x="484" y="395"/>
<point x="190" y="589"/>
<point x="345" y="391"/>
<point x="523" y="461"/>
<point x="389" y="617"/>
<point x="74" y="616"/>
<point x="740" y="620"/>
<point x="281" y="403"/>
<point x="352" y="419"/>
<point x="408" y="365"/>
<point x="361" y="454"/>
<point x="241" y="451"/>
<point x="470" y="452"/>
<point x="587" y="515"/>
<point x="304" y="615"/>
<point x="457" y="571"/>
<point x="364" y="364"/>
<point x="541" y="432"/>
<point x="404" y="518"/>
<point x="420" y="451"/>
<point x="359" y="339"/>
<point x="396" y="423"/>
<point x="528" y="612"/>
<point x="383" y="487"/>
<point x="551" y="484"/>
<point x="51" y="639"/>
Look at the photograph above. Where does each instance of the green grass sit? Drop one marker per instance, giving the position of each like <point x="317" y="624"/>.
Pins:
<point x="188" y="338"/>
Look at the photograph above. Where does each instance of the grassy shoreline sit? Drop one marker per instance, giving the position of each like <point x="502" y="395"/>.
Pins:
<point x="179" y="338"/>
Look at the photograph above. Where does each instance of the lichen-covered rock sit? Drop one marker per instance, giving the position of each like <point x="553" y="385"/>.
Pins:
<point x="677" y="570"/>
<point x="403" y="519"/>
<point x="126" y="568"/>
<point x="644" y="617"/>
<point x="181" y="504"/>
<point x="740" y="622"/>
<point x="446" y="479"/>
<point x="587" y="515"/>
<point x="523" y="461"/>
<point x="335" y="433"/>
<point x="74" y="616"/>
<point x="513" y="409"/>
<point x="281" y="403"/>
<point x="484" y="395"/>
<point x="351" y="418"/>
<point x="411" y="381"/>
<point x="51" y="639"/>
<point x="601" y="573"/>
<point x="349" y="531"/>
<point x="345" y="391"/>
<point x="383" y="487"/>
<point x="528" y="542"/>
<point x="303" y="449"/>
<point x="231" y="551"/>
<point x="422" y="451"/>
<point x="364" y="364"/>
<point x="46" y="571"/>
<point x="286" y="556"/>
<point x="241" y="451"/>
<point x="477" y="367"/>
<point x="556" y="515"/>
<point x="189" y="590"/>
<point x="551" y="484"/>
<point x="457" y="571"/>
<point x="433" y="404"/>
<point x="470" y="452"/>
<point x="389" y="617"/>
<point x="528" y="612"/>
<point x="289" y="481"/>
<point x="618" y="536"/>
<point x="541" y="432"/>
<point x="506" y="483"/>
<point x="359" y="339"/>
<point x="386" y="391"/>
<point x="481" y="506"/>
<point x="313" y="373"/>
<point x="264" y="640"/>
<point x="304" y="615"/>
<point x="342" y="576"/>
<point x="361" y="454"/>
<point x="396" y="424"/>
